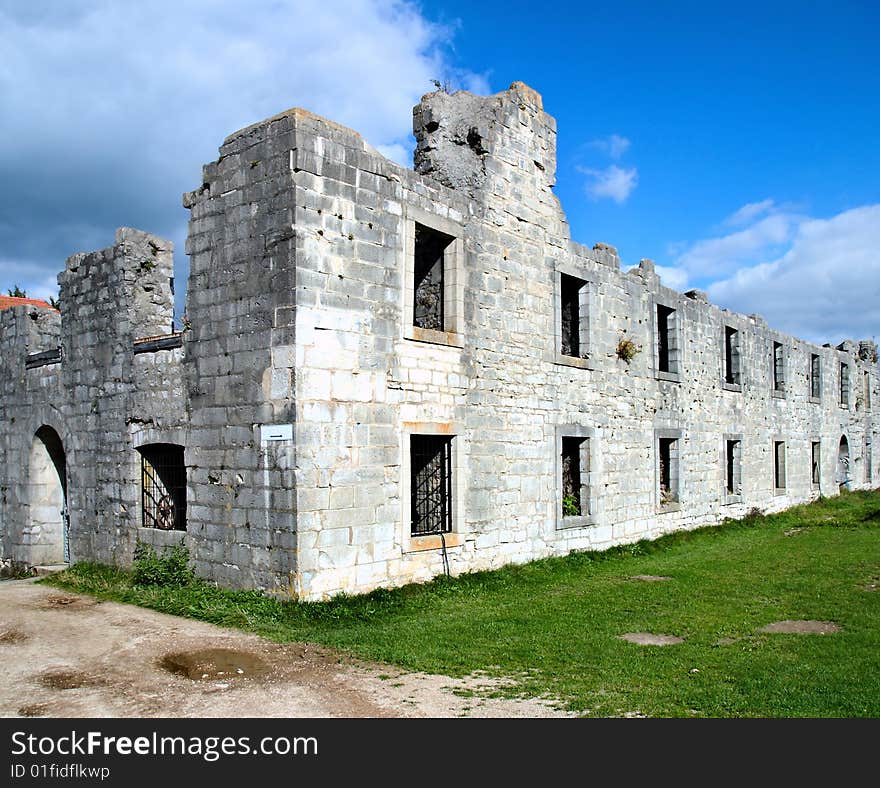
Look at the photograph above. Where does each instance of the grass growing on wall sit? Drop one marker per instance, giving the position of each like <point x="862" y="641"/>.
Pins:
<point x="553" y="625"/>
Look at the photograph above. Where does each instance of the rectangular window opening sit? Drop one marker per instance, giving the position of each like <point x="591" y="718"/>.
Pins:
<point x="429" y="277"/>
<point x="668" y="470"/>
<point x="815" y="463"/>
<point x="575" y="476"/>
<point x="815" y="376"/>
<point x="574" y="318"/>
<point x="431" y="484"/>
<point x="867" y="391"/>
<point x="733" y="467"/>
<point x="779" y="465"/>
<point x="667" y="347"/>
<point x="869" y="470"/>
<point x="844" y="385"/>
<point x="731" y="356"/>
<point x="163" y="487"/>
<point x="778" y="367"/>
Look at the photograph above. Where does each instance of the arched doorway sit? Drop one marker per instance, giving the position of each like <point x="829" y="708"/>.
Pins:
<point x="843" y="474"/>
<point x="47" y="500"/>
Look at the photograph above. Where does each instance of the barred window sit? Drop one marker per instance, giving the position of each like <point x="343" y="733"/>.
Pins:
<point x="429" y="296"/>
<point x="431" y="484"/>
<point x="163" y="486"/>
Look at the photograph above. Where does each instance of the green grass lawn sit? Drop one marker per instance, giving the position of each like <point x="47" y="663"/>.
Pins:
<point x="553" y="625"/>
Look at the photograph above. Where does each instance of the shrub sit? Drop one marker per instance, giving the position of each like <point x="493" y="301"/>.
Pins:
<point x="170" y="569"/>
<point x="627" y="349"/>
<point x="570" y="507"/>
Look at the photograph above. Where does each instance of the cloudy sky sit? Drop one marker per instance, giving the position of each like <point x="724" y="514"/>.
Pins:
<point x="736" y="149"/>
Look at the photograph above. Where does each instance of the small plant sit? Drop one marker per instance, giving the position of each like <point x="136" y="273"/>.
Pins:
<point x="570" y="506"/>
<point x="17" y="292"/>
<point x="171" y="569"/>
<point x="666" y="496"/>
<point x="627" y="350"/>
<point x="16" y="570"/>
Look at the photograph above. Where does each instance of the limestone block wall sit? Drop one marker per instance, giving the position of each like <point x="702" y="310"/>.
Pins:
<point x="25" y="393"/>
<point x="366" y="379"/>
<point x="239" y="361"/>
<point x="110" y="298"/>
<point x="307" y="372"/>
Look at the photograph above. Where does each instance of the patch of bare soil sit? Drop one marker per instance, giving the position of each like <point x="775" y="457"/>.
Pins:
<point x="650" y="639"/>
<point x="33" y="710"/>
<point x="802" y="627"/>
<point x="70" y="602"/>
<point x="68" y="679"/>
<point x="9" y="637"/>
<point x="793" y="531"/>
<point x="214" y="663"/>
<point x="125" y="661"/>
<point x="650" y="578"/>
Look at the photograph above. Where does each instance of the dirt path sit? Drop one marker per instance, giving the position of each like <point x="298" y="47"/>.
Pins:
<point x="68" y="655"/>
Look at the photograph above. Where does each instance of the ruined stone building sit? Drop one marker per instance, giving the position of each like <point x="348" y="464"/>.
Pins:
<point x="383" y="372"/>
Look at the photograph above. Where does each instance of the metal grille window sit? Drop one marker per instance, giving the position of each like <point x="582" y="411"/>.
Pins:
<point x="163" y="486"/>
<point x="431" y="484"/>
<point x="430" y="248"/>
<point x="844" y="385"/>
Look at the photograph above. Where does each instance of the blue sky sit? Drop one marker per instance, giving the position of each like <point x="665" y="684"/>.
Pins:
<point x="736" y="145"/>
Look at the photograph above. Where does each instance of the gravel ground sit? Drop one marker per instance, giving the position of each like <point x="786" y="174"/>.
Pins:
<point x="68" y="655"/>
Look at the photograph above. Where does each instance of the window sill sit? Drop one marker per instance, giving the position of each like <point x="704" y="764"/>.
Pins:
<point x="665" y="508"/>
<point x="160" y="536"/>
<point x="419" y="544"/>
<point x="842" y="406"/>
<point x="671" y="377"/>
<point x="448" y="338"/>
<point x="737" y="387"/>
<point x="731" y="499"/>
<point x="778" y="491"/>
<point x="777" y="393"/>
<point x="566" y="523"/>
<point x="572" y="361"/>
<point x="815" y="400"/>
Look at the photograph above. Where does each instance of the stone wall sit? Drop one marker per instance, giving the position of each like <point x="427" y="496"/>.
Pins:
<point x="310" y="358"/>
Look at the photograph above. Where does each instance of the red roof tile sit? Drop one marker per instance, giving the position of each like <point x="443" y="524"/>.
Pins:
<point x="8" y="301"/>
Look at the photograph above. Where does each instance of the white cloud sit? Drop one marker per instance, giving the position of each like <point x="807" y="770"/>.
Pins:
<point x="671" y="276"/>
<point x="614" y="182"/>
<point x="109" y="109"/>
<point x="748" y="213"/>
<point x="614" y="145"/>
<point x="715" y="257"/>
<point x="825" y="287"/>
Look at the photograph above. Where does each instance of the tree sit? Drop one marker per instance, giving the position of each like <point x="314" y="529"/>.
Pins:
<point x="17" y="292"/>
